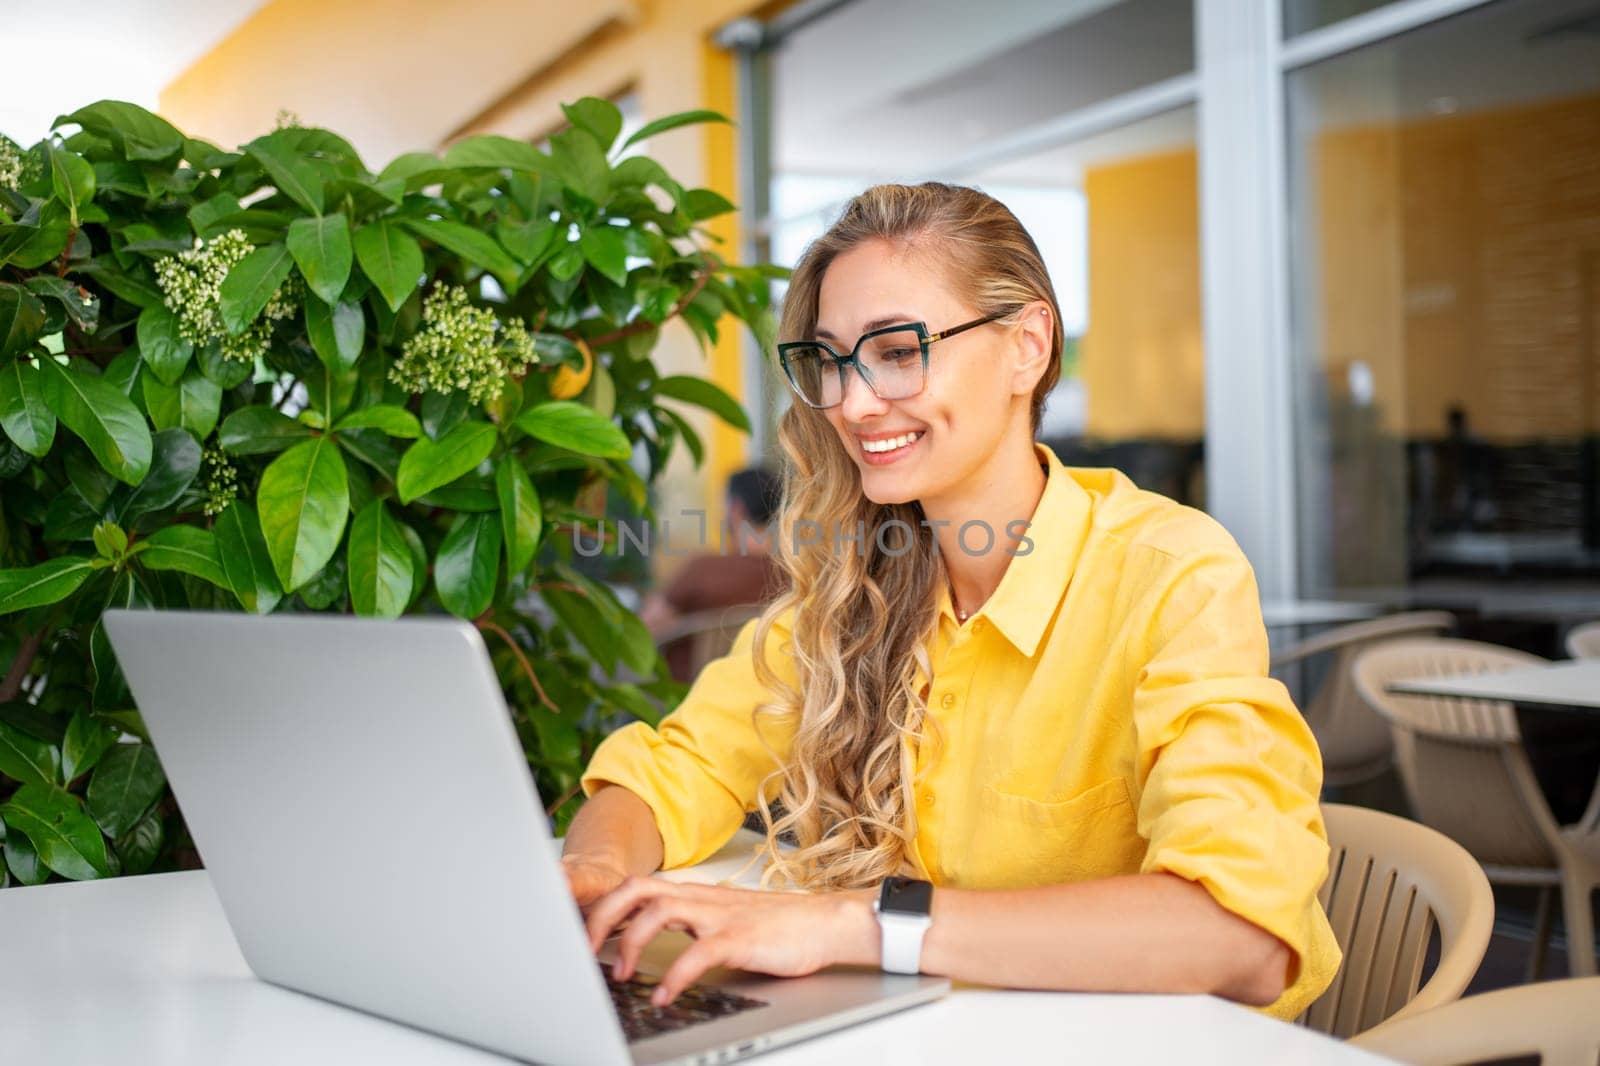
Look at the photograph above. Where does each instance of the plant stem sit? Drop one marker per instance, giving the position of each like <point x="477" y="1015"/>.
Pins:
<point x="643" y="324"/>
<point x="561" y="800"/>
<point x="527" y="667"/>
<point x="12" y="685"/>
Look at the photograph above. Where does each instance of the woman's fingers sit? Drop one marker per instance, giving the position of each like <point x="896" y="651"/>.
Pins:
<point x="664" y="912"/>
<point x="690" y="965"/>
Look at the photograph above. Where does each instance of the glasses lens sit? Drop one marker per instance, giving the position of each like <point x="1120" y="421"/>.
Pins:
<point x="815" y="374"/>
<point x="893" y="363"/>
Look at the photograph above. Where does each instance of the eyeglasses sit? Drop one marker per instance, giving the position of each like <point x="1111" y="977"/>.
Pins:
<point x="893" y="361"/>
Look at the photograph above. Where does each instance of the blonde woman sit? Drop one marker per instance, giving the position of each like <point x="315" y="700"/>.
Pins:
<point x="1026" y="702"/>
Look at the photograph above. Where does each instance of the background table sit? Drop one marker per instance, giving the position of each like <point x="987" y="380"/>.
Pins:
<point x="145" y="970"/>
<point x="1573" y="684"/>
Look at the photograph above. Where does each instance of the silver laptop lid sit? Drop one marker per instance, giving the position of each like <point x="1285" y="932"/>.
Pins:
<point x="358" y="794"/>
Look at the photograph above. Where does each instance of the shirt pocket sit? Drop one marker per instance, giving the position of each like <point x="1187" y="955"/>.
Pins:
<point x="1022" y="842"/>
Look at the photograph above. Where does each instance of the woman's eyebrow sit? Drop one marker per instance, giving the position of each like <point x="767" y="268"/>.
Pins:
<point x="897" y="319"/>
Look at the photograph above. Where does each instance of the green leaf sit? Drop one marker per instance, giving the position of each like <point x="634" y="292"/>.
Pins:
<point x="139" y="846"/>
<point x="44" y="242"/>
<point x="380" y="567"/>
<point x="494" y="151"/>
<point x="391" y="259"/>
<point x="161" y="347"/>
<point x="520" y="513"/>
<point x="174" y="464"/>
<point x="304" y="500"/>
<point x="575" y="427"/>
<point x="337" y="333"/>
<point x="80" y="306"/>
<point x="88" y="738"/>
<point x="66" y="838"/>
<point x="527" y="241"/>
<point x="579" y="160"/>
<point x="104" y="418"/>
<point x="110" y="540"/>
<point x="193" y="404"/>
<point x="672" y="122"/>
<point x="245" y="559"/>
<point x="580" y="617"/>
<point x="229" y="373"/>
<point x="703" y="393"/>
<point x="125" y="785"/>
<point x="208" y="215"/>
<point x="428" y="464"/>
<point x="23" y="860"/>
<point x="321" y="247"/>
<point x="71" y="179"/>
<point x="24" y="416"/>
<point x="604" y="248"/>
<point x="393" y="420"/>
<point x="22" y="318"/>
<point x="599" y="117"/>
<point x="472" y="245"/>
<point x="139" y="134"/>
<point x="260" y="430"/>
<point x="251" y="284"/>
<point x="27" y="759"/>
<point x="702" y="204"/>
<point x="49" y="582"/>
<point x="295" y="177"/>
<point x="187" y="549"/>
<point x="467" y="565"/>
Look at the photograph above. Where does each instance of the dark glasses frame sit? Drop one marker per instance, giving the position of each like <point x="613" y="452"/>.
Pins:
<point x="842" y="363"/>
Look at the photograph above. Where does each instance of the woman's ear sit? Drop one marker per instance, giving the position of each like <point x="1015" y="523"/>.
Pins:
<point x="1035" y="331"/>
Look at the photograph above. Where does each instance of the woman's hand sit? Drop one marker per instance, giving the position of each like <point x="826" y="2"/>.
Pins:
<point x="590" y="878"/>
<point x="778" y="933"/>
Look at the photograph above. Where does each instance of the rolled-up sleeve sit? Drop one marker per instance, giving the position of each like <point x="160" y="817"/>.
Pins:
<point x="1228" y="772"/>
<point x="700" y="771"/>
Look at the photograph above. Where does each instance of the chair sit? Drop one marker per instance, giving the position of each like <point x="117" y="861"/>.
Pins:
<point x="1583" y="642"/>
<point x="1389" y="882"/>
<point x="1467" y="775"/>
<point x="1555" y="1020"/>
<point x="1355" y="742"/>
<point x="710" y="634"/>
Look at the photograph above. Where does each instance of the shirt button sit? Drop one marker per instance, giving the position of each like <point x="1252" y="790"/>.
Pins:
<point x="948" y="700"/>
<point x="977" y="625"/>
<point x="927" y="799"/>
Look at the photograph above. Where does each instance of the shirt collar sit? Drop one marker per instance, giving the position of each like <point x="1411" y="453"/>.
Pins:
<point x="1036" y="579"/>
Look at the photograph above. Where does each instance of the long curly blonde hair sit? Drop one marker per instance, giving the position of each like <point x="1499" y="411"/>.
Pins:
<point x="860" y="625"/>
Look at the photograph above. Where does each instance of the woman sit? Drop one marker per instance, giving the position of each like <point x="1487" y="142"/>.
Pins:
<point x="1041" y="690"/>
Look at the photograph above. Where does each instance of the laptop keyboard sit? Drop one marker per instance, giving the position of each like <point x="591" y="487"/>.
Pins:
<point x="697" y="1004"/>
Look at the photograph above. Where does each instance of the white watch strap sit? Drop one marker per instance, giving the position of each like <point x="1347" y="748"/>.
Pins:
<point x="901" y="940"/>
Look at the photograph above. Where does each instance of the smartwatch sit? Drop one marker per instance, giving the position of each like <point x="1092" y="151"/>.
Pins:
<point x="905" y="911"/>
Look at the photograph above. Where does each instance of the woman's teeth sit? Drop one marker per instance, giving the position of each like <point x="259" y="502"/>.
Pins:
<point x="889" y="444"/>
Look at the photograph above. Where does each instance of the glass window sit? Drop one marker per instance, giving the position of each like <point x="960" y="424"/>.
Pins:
<point x="1116" y="217"/>
<point x="1302" y="15"/>
<point x="1445" y="264"/>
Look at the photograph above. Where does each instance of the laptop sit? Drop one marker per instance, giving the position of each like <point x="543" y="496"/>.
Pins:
<point x="358" y="793"/>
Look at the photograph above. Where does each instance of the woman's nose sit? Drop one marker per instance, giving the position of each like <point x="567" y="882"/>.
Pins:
<point x="860" y="402"/>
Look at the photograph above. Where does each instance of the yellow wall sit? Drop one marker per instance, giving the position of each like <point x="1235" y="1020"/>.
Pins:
<point x="1460" y="258"/>
<point x="1142" y="358"/>
<point x="402" y="75"/>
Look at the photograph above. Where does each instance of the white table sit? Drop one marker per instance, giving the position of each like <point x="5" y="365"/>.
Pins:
<point x="1282" y="614"/>
<point x="1574" y="684"/>
<point x="145" y="970"/>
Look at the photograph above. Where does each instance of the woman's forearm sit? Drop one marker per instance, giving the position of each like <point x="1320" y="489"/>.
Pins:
<point x="1139" y="933"/>
<point x="616" y="828"/>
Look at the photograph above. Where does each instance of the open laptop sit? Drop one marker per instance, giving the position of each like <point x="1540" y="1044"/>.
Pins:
<point x="359" y="795"/>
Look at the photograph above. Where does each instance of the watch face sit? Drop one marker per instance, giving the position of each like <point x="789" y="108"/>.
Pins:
<point x="905" y="895"/>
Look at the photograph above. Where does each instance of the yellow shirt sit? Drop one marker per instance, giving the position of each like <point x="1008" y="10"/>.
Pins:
<point x="1106" y="712"/>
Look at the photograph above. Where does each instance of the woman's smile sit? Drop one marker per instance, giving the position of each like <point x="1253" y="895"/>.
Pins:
<point x="880" y="449"/>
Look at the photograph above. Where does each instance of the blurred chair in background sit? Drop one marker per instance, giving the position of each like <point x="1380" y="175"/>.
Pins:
<point x="1389" y="882"/>
<point x="1355" y="742"/>
<point x="1467" y="775"/>
<point x="1555" y="1020"/>
<point x="688" y="617"/>
<point x="1584" y="641"/>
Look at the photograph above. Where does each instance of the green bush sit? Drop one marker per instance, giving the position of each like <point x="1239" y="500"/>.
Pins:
<point x="271" y="380"/>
